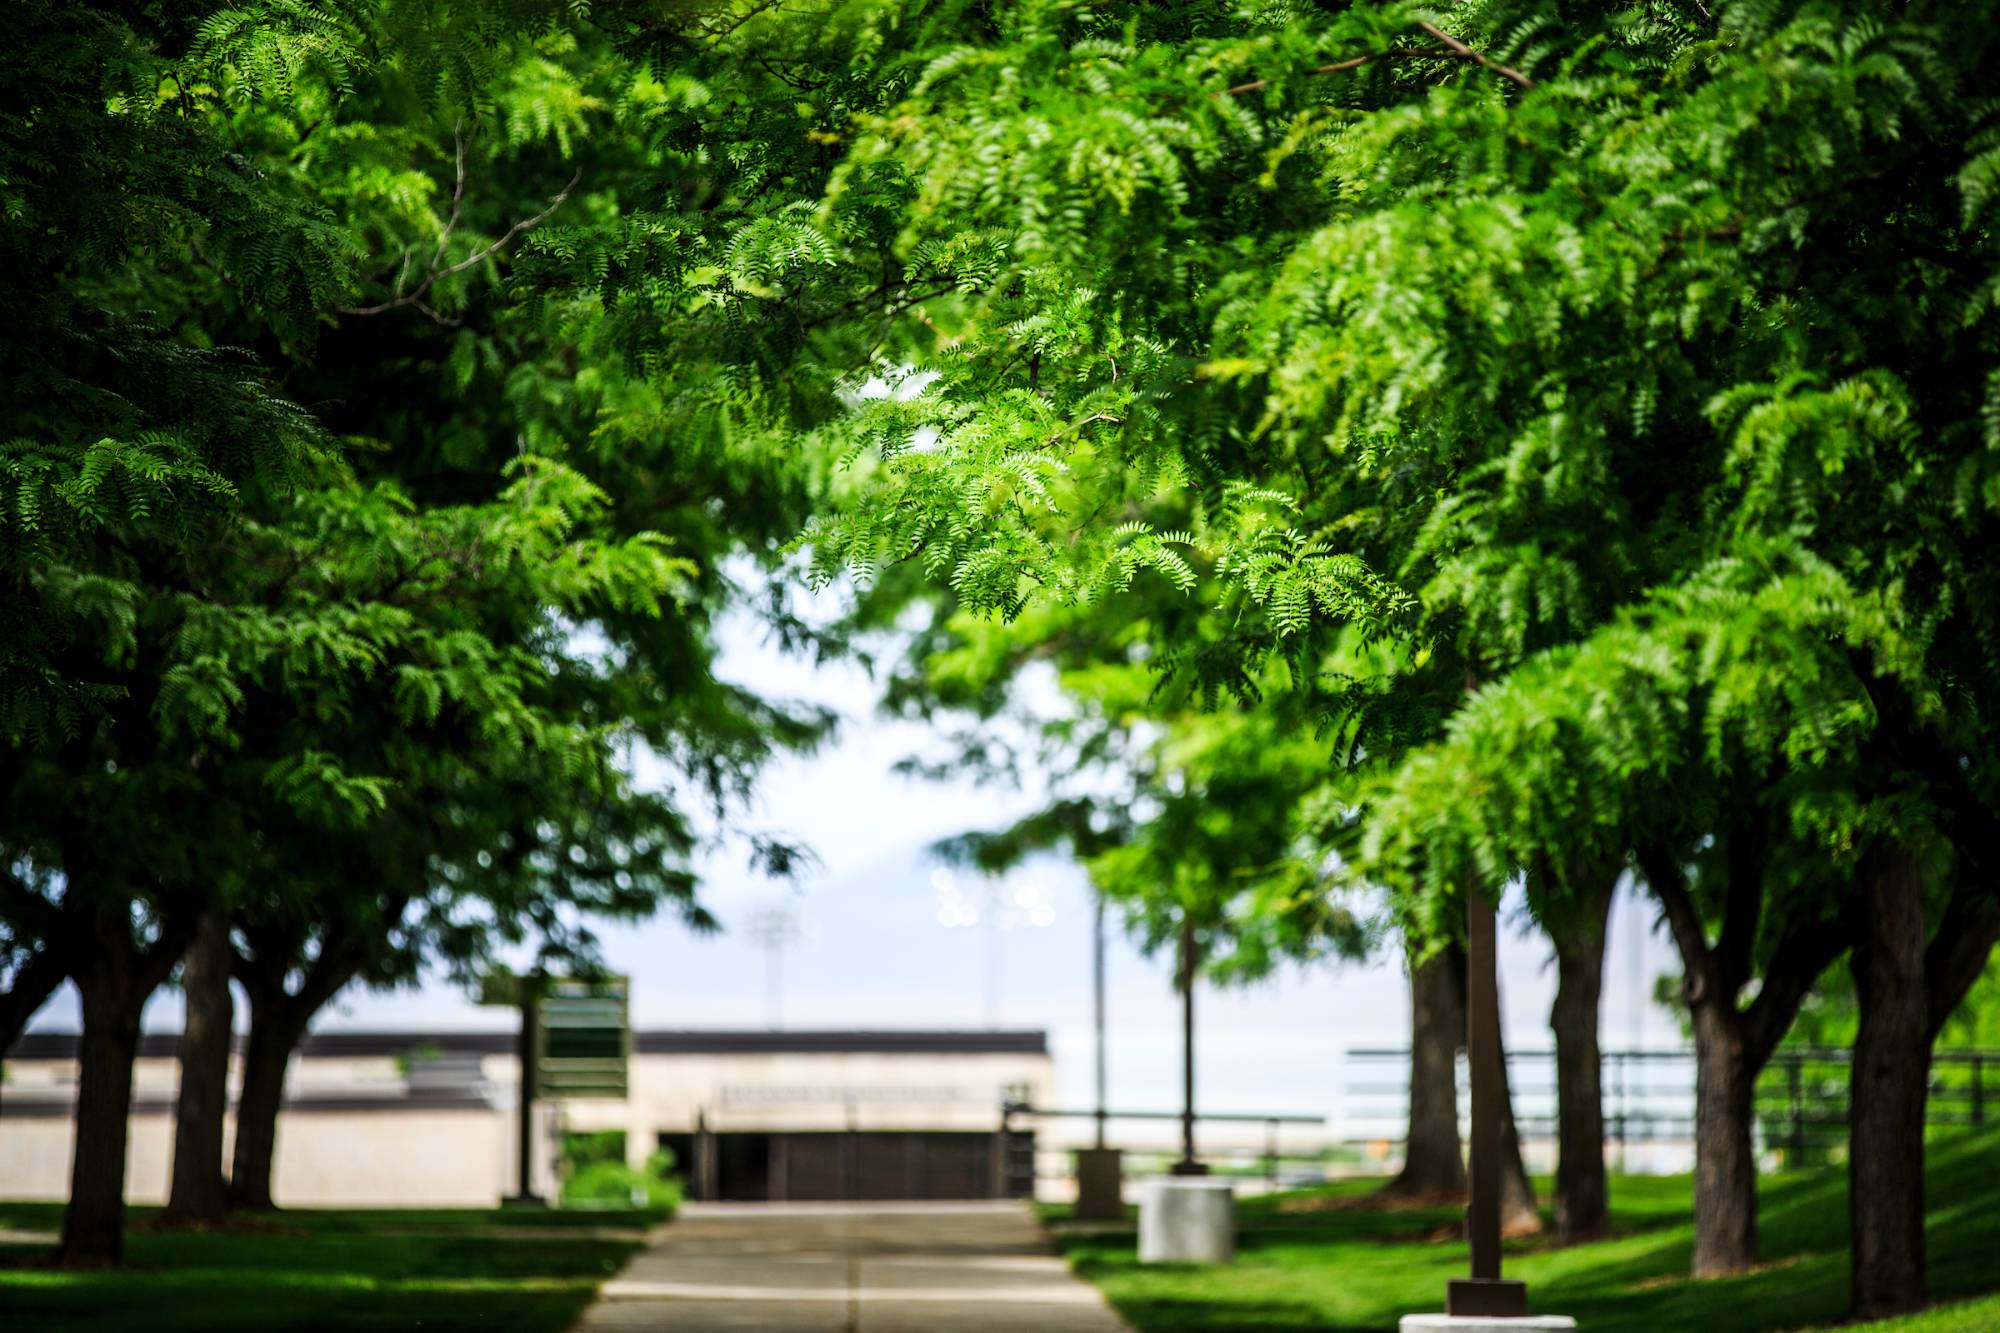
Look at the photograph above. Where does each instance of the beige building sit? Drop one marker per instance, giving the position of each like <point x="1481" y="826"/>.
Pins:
<point x="405" y="1118"/>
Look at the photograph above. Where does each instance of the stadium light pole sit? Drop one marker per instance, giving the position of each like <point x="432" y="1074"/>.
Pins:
<point x="776" y="929"/>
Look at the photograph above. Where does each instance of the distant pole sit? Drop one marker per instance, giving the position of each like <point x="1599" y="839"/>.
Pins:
<point x="1640" y="930"/>
<point x="775" y="928"/>
<point x="1187" y="1166"/>
<point x="994" y="962"/>
<point x="525" y="1050"/>
<point x="1097" y="986"/>
<point x="1485" y="1293"/>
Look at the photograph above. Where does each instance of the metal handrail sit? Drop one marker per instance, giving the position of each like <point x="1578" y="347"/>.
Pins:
<point x="1234" y="1117"/>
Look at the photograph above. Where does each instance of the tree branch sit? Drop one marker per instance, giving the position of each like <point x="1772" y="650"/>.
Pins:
<point x="33" y="982"/>
<point x="1464" y="52"/>
<point x="1804" y="952"/>
<point x="1747" y="853"/>
<point x="1958" y="951"/>
<point x="1669" y="885"/>
<point x="1337" y="67"/>
<point x="1454" y="50"/>
<point x="20" y="903"/>
<point x="439" y="269"/>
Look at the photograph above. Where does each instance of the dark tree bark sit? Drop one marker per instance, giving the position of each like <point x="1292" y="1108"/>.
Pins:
<point x="1890" y="1083"/>
<point x="1437" y="995"/>
<point x="94" y="1223"/>
<point x="45" y="954"/>
<point x="1732" y="1042"/>
<point x="114" y="986"/>
<point x="1519" y="1215"/>
<point x="1907" y="988"/>
<point x="1433" y="1165"/>
<point x="275" y="1031"/>
<point x="33" y="982"/>
<point x="1583" y="1208"/>
<point x="199" y="1194"/>
<point x="1725" y="1160"/>
<point x="278" y="1020"/>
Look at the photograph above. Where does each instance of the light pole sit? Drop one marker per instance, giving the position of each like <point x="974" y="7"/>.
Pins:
<point x="1100" y="1170"/>
<point x="1484" y="1293"/>
<point x="1097" y="996"/>
<point x="776" y="928"/>
<point x="1001" y="905"/>
<point x="1187" y="961"/>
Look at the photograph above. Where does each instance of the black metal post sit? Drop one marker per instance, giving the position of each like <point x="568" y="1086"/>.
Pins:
<point x="525" y="1052"/>
<point x="1618" y="1063"/>
<point x="1485" y="1292"/>
<point x="1271" y="1153"/>
<point x="1097" y="985"/>
<point x="1798" y="1113"/>
<point x="1187" y="1166"/>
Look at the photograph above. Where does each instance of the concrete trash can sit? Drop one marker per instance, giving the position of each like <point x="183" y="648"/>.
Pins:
<point x="1187" y="1220"/>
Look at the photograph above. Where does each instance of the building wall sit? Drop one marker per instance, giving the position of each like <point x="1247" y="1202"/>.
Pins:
<point x="447" y="1158"/>
<point x="460" y="1155"/>
<point x="810" y="1092"/>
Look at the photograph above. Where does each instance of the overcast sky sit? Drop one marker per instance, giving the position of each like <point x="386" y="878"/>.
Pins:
<point x="873" y="950"/>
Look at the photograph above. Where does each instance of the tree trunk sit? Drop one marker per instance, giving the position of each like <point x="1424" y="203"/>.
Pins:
<point x="1725" y="1161"/>
<point x="199" y="1194"/>
<point x="33" y="983"/>
<point x="1582" y="1196"/>
<point x="266" y="1057"/>
<point x="93" y="1229"/>
<point x="1890" y="1082"/>
<point x="1433" y="1167"/>
<point x="1519" y="1215"/>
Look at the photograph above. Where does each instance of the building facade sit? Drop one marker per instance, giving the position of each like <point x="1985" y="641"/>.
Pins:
<point x="431" y="1118"/>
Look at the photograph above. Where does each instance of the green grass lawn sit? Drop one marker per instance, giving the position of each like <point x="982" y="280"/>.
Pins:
<point x="518" y="1270"/>
<point x="1355" y="1269"/>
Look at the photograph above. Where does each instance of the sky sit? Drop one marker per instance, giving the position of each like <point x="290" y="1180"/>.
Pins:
<point x="883" y="941"/>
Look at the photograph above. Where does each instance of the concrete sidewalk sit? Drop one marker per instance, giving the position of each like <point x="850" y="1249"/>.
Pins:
<point x="865" y="1268"/>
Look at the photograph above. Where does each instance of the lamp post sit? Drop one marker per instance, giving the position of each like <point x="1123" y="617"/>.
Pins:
<point x="1188" y="961"/>
<point x="1097" y="997"/>
<point x="1100" y="1169"/>
<point x="1484" y="1293"/>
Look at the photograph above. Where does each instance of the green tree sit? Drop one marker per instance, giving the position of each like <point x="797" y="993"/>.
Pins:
<point x="1530" y="311"/>
<point x="363" y="677"/>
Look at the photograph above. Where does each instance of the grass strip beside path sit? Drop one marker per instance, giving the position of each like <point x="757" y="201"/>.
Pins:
<point x="1314" y="1260"/>
<point x="511" y="1271"/>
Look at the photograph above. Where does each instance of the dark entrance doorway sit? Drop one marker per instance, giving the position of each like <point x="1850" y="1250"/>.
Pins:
<point x="872" y="1166"/>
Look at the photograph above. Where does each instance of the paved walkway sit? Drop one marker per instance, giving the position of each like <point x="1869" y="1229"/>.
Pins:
<point x="886" y="1268"/>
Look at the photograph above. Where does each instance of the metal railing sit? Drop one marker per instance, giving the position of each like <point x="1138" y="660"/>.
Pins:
<point x="1801" y="1096"/>
<point x="1271" y="1158"/>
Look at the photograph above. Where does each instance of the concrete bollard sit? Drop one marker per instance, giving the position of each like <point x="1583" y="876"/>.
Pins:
<point x="1187" y="1220"/>
<point x="1462" y="1323"/>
